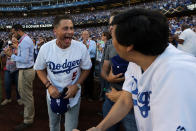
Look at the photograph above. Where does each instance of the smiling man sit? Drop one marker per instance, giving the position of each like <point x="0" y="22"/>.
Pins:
<point x="63" y="58"/>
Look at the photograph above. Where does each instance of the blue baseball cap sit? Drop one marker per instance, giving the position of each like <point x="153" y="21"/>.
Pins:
<point x="60" y="105"/>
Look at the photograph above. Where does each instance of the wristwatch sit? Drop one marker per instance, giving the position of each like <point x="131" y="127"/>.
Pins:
<point x="79" y="86"/>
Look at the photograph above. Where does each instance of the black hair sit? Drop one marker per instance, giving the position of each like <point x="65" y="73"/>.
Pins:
<point x="107" y="34"/>
<point x="57" y="19"/>
<point x="17" y="27"/>
<point x="147" y="30"/>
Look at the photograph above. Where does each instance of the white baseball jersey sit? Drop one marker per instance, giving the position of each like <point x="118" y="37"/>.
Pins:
<point x="63" y="65"/>
<point x="164" y="95"/>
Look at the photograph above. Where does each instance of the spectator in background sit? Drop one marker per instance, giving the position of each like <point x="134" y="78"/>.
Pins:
<point x="88" y="83"/>
<point x="24" y="62"/>
<point x="178" y="31"/>
<point x="100" y="50"/>
<point x="38" y="45"/>
<point x="187" y="40"/>
<point x="113" y="72"/>
<point x="11" y="73"/>
<point x="34" y="41"/>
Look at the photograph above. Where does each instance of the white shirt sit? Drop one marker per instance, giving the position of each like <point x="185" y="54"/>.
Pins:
<point x="164" y="95"/>
<point x="91" y="48"/>
<point x="189" y="44"/>
<point x="63" y="65"/>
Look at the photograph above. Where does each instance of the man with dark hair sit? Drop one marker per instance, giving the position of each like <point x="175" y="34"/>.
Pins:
<point x="63" y="58"/>
<point x="112" y="72"/>
<point x="187" y="40"/>
<point x="163" y="95"/>
<point x="24" y="62"/>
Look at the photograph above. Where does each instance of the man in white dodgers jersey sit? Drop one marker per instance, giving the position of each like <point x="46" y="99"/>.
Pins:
<point x="163" y="95"/>
<point x="63" y="58"/>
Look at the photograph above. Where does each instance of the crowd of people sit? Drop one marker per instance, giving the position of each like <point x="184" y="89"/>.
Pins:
<point x="95" y="32"/>
<point x="5" y="1"/>
<point x="95" y="15"/>
<point x="165" y="4"/>
<point x="92" y="16"/>
<point x="175" y="24"/>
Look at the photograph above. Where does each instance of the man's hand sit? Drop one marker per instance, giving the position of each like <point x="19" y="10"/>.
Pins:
<point x="85" y="42"/>
<point x="114" y="78"/>
<point x="41" y="42"/>
<point x="8" y="52"/>
<point x="113" y="95"/>
<point x="15" y="46"/>
<point x="53" y="91"/>
<point x="71" y="92"/>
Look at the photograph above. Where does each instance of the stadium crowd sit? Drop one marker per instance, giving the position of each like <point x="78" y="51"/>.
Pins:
<point x="95" y="32"/>
<point x="96" y="15"/>
<point x="5" y="1"/>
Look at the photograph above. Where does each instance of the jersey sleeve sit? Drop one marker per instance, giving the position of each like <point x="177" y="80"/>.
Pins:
<point x="132" y="76"/>
<point x="183" y="35"/>
<point x="172" y="102"/>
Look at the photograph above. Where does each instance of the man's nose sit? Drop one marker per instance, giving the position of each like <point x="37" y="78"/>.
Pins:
<point x="69" y="31"/>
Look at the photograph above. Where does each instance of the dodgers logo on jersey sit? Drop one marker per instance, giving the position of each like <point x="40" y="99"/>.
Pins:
<point x="65" y="67"/>
<point x="140" y="99"/>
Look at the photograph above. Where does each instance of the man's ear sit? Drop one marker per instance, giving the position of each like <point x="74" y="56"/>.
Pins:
<point x="129" y="48"/>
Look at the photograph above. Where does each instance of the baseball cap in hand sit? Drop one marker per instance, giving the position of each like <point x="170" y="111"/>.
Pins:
<point x="119" y="65"/>
<point x="60" y="105"/>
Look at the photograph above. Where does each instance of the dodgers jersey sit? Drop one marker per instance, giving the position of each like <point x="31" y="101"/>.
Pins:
<point x="164" y="95"/>
<point x="63" y="65"/>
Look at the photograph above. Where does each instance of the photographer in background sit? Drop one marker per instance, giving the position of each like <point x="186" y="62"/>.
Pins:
<point x="10" y="72"/>
<point x="24" y="62"/>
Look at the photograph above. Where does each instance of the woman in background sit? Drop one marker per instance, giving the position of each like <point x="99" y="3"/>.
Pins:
<point x="11" y="73"/>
